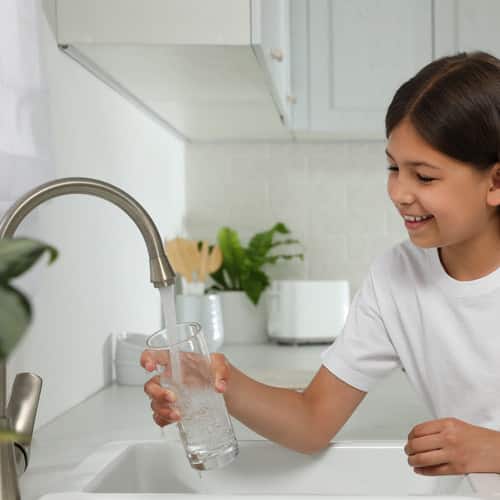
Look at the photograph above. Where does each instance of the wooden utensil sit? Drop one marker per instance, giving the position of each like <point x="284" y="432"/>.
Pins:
<point x="176" y="256"/>
<point x="214" y="260"/>
<point x="202" y="275"/>
<point x="191" y="255"/>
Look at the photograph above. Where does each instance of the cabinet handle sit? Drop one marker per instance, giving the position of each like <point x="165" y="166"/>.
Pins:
<point x="277" y="54"/>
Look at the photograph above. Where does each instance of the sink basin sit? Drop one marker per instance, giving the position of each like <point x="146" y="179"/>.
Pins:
<point x="145" y="470"/>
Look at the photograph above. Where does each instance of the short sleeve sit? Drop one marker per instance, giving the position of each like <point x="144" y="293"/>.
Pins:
<point x="363" y="353"/>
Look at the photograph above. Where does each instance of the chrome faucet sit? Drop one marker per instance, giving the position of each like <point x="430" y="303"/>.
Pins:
<point x="20" y="414"/>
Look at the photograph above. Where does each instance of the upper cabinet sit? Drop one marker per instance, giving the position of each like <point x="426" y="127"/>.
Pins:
<point x="467" y="25"/>
<point x="350" y="56"/>
<point x="245" y="70"/>
<point x="356" y="55"/>
<point x="271" y="40"/>
<point x="195" y="66"/>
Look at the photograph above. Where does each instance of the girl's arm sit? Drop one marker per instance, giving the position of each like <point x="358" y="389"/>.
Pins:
<point x="303" y="421"/>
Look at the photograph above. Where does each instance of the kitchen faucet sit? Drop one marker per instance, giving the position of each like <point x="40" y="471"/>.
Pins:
<point x="20" y="414"/>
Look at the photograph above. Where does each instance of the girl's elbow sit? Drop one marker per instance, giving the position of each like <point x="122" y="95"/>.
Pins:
<point x="313" y="447"/>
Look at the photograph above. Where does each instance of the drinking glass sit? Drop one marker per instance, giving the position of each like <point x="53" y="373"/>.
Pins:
<point x="183" y="362"/>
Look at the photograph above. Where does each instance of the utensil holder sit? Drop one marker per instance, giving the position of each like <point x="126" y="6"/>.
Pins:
<point x="205" y="310"/>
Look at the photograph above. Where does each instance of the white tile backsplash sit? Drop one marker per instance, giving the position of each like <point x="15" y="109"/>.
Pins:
<point x="332" y="196"/>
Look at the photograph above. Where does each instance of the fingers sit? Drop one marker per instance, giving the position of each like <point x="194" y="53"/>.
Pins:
<point x="163" y="399"/>
<point x="162" y="402"/>
<point x="429" y="427"/>
<point x="426" y="451"/>
<point x="165" y="411"/>
<point x="428" y="458"/>
<point x="162" y="421"/>
<point x="158" y="393"/>
<point x="422" y="444"/>
<point x="436" y="470"/>
<point x="147" y="361"/>
<point x="221" y="370"/>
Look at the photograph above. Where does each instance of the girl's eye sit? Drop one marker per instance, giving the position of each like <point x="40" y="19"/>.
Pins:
<point x="421" y="178"/>
<point x="424" y="178"/>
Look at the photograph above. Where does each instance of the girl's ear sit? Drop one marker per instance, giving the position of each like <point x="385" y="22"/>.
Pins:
<point x="493" y="197"/>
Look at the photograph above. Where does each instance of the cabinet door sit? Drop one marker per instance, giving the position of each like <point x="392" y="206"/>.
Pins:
<point x="467" y="25"/>
<point x="360" y="53"/>
<point x="271" y="43"/>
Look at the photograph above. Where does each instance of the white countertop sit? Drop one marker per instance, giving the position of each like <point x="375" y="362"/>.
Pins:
<point x="122" y="413"/>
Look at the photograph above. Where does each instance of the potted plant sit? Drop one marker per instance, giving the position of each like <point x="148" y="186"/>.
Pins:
<point x="242" y="280"/>
<point x="17" y="255"/>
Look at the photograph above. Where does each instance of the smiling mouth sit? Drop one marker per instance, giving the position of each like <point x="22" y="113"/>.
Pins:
<point x="416" y="221"/>
<point x="416" y="218"/>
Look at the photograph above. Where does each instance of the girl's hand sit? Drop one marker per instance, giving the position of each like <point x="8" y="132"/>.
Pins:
<point x="163" y="400"/>
<point x="451" y="446"/>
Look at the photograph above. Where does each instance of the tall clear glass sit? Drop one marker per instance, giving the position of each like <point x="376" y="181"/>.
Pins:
<point x="184" y="365"/>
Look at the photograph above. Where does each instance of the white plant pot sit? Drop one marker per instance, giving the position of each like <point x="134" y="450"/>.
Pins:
<point x="244" y="323"/>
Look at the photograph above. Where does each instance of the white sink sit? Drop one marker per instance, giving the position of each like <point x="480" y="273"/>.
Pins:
<point x="146" y="470"/>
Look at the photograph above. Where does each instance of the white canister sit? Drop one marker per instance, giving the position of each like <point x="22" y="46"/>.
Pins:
<point x="307" y="311"/>
<point x="244" y="322"/>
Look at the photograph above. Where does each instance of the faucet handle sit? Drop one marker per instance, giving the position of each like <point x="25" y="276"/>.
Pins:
<point x="9" y="486"/>
<point x="22" y="408"/>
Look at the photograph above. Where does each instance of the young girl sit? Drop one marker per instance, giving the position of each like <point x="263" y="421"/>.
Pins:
<point x="429" y="305"/>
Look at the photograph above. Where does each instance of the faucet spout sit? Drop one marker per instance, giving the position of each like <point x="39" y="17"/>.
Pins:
<point x="162" y="274"/>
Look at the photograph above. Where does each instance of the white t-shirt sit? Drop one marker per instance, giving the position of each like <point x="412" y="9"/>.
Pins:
<point x="445" y="333"/>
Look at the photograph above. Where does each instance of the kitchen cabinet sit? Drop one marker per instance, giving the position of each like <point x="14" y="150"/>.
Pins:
<point x="354" y="56"/>
<point x="467" y="25"/>
<point x="278" y="70"/>
<point x="350" y="56"/>
<point x="271" y="39"/>
<point x="208" y="71"/>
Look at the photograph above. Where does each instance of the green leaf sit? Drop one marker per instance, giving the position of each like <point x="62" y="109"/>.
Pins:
<point x="233" y="255"/>
<point x="254" y="284"/>
<point x="15" y="314"/>
<point x="219" y="278"/>
<point x="262" y="243"/>
<point x="285" y="242"/>
<point x="242" y="267"/>
<point x="18" y="254"/>
<point x="273" y="258"/>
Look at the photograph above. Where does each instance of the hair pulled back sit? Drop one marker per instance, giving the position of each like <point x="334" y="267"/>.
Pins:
<point x="454" y="104"/>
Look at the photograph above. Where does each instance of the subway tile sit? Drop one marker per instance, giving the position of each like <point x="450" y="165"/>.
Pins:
<point x="365" y="248"/>
<point x="328" y="202"/>
<point x="366" y="207"/>
<point x="285" y="169"/>
<point x="366" y="159"/>
<point x="206" y="157"/>
<point x="324" y="266"/>
<point x="294" y="269"/>
<point x="332" y="196"/>
<point x="395" y="222"/>
<point x="201" y="227"/>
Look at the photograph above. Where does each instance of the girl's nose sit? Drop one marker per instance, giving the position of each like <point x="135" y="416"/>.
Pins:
<point x="400" y="192"/>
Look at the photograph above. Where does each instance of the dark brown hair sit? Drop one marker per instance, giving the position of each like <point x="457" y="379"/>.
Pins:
<point x="454" y="104"/>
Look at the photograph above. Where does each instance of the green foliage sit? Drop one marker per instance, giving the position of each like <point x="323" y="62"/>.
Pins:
<point x="17" y="255"/>
<point x="242" y="266"/>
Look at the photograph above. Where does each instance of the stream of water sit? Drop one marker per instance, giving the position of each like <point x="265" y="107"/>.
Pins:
<point x="167" y="298"/>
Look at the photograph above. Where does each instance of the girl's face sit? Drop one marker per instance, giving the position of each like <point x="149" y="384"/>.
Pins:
<point x="443" y="201"/>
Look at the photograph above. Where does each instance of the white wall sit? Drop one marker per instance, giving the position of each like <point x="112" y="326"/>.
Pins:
<point x="332" y="196"/>
<point x="100" y="283"/>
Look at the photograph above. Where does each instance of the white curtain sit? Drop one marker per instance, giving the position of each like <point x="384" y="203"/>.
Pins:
<point x="25" y="158"/>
